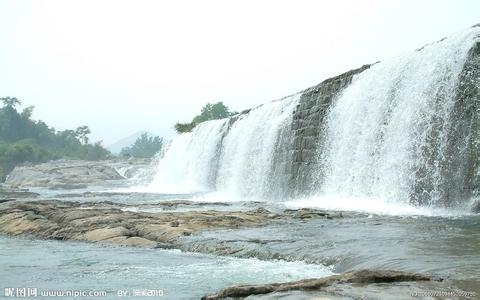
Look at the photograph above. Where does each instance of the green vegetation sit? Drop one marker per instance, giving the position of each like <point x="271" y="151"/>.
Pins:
<point x="145" y="146"/>
<point x="209" y="112"/>
<point x="25" y="140"/>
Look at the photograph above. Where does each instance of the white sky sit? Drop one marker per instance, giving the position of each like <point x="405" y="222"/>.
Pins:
<point x="123" y="66"/>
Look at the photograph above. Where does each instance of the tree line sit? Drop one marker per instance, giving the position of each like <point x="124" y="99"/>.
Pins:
<point x="23" y="139"/>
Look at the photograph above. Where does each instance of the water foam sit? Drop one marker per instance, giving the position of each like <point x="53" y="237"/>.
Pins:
<point x="371" y="205"/>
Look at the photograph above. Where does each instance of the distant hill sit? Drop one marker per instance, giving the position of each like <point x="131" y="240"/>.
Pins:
<point x="116" y="147"/>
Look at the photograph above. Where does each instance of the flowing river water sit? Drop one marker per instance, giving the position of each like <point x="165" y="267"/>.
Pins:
<point x="447" y="246"/>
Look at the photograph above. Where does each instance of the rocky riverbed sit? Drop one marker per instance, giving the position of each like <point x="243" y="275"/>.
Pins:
<point x="319" y="253"/>
<point x="107" y="222"/>
<point x="111" y="223"/>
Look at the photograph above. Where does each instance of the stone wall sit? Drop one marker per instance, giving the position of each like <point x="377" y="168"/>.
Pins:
<point x="462" y="173"/>
<point x="460" y="169"/>
<point x="306" y="126"/>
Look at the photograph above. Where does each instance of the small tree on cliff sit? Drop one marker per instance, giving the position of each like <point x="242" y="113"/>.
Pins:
<point x="209" y="112"/>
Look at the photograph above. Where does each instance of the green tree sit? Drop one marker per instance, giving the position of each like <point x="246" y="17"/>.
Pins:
<point x="11" y="125"/>
<point x="10" y="102"/>
<point x="82" y="133"/>
<point x="96" y="152"/>
<point x="184" y="127"/>
<point x="209" y="112"/>
<point x="27" y="112"/>
<point x="145" y="146"/>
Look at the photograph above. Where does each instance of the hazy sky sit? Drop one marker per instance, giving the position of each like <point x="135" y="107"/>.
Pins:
<point x="123" y="66"/>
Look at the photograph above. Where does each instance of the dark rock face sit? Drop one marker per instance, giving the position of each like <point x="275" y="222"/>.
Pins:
<point x="476" y="206"/>
<point x="357" y="277"/>
<point x="462" y="172"/>
<point x="307" y="128"/>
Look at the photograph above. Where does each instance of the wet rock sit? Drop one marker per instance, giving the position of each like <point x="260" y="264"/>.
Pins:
<point x="105" y="233"/>
<point x="108" y="224"/>
<point x="68" y="186"/>
<point x="475" y="208"/>
<point x="310" y="213"/>
<point x="7" y="200"/>
<point x="133" y="167"/>
<point x="173" y="204"/>
<point x="306" y="213"/>
<point x="363" y="277"/>
<point x="12" y="194"/>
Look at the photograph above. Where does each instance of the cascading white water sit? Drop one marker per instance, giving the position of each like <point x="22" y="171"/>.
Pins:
<point x="250" y="148"/>
<point x="386" y="134"/>
<point x="384" y="142"/>
<point x="236" y="160"/>
<point x="189" y="164"/>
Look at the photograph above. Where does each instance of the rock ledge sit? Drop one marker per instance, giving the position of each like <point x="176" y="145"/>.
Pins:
<point x="358" y="277"/>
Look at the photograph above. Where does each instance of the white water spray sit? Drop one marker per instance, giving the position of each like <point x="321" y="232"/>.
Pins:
<point x="249" y="150"/>
<point x="386" y="134"/>
<point x="189" y="164"/>
<point x="238" y="160"/>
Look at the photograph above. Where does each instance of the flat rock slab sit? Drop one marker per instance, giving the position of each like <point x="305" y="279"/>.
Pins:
<point x="55" y="219"/>
<point x="105" y="222"/>
<point x="361" y="277"/>
<point x="12" y="194"/>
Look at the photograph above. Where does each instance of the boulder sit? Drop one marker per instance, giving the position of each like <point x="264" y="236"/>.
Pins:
<point x="63" y="174"/>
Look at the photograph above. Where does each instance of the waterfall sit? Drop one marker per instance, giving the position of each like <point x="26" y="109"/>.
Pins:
<point x="386" y="136"/>
<point x="233" y="156"/>
<point x="254" y="158"/>
<point x="189" y="164"/>
<point x="404" y="131"/>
